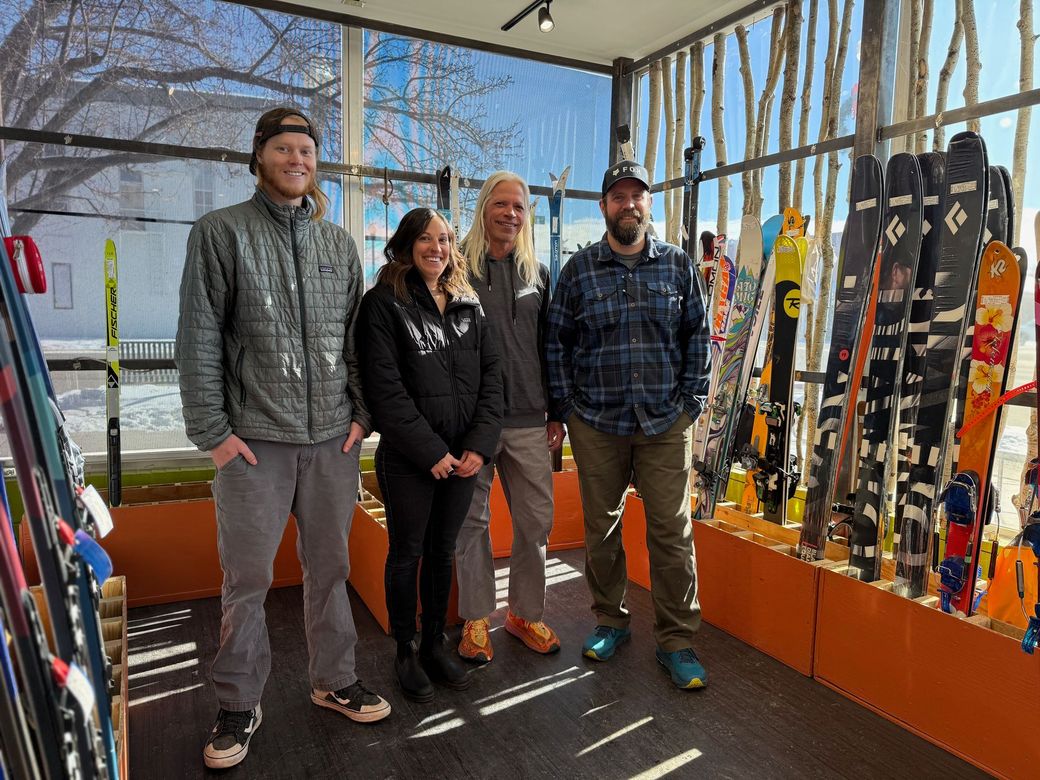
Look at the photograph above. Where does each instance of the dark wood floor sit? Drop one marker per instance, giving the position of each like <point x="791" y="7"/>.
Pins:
<point x="525" y="716"/>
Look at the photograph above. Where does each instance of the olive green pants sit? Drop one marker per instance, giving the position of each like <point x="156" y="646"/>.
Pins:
<point x="659" y="466"/>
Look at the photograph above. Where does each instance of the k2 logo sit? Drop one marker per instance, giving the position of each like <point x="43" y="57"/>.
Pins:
<point x="998" y="268"/>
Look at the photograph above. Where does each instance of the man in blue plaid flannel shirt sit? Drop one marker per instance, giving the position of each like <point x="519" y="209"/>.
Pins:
<point x="627" y="349"/>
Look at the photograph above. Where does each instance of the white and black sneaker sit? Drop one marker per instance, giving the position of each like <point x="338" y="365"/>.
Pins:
<point x="355" y="701"/>
<point x="228" y="742"/>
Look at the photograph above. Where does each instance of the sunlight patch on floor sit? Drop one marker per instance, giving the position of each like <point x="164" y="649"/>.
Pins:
<point x="616" y="735"/>
<point x="665" y="767"/>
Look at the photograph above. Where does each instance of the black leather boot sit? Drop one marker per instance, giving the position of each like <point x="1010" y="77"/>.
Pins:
<point x="415" y="684"/>
<point x="439" y="659"/>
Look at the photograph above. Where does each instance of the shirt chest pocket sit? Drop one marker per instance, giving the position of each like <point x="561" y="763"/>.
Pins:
<point x="662" y="302"/>
<point x="601" y="308"/>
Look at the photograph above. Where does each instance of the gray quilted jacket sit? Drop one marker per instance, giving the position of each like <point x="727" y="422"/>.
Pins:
<point x="265" y="339"/>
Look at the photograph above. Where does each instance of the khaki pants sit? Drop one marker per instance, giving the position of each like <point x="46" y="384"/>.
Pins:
<point x="660" y="467"/>
<point x="525" y="470"/>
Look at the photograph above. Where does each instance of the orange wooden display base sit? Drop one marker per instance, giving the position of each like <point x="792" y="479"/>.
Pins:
<point x="962" y="684"/>
<point x="749" y="582"/>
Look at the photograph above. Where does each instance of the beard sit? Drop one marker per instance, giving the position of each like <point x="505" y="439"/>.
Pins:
<point x="628" y="234"/>
<point x="293" y="190"/>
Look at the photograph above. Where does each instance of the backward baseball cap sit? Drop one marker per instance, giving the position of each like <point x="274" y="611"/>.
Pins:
<point x="624" y="169"/>
<point x="271" y="124"/>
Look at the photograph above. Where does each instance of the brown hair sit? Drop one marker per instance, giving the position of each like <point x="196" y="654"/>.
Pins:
<point x="270" y="124"/>
<point x="398" y="253"/>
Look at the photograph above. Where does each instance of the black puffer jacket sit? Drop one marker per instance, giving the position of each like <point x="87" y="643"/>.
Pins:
<point x="433" y="382"/>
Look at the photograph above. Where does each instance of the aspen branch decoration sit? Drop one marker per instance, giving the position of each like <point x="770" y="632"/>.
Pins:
<point x="974" y="62"/>
<point x="718" y="90"/>
<point x="803" y="120"/>
<point x="678" y="144"/>
<point x="747" y="178"/>
<point x="792" y="48"/>
<point x="669" y="141"/>
<point x="696" y="87"/>
<point x="942" y="89"/>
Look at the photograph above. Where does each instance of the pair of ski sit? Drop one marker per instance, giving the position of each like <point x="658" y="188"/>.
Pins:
<point x="66" y="729"/>
<point x="448" y="198"/>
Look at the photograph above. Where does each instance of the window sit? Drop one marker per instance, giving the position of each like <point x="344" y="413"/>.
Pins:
<point x="203" y="192"/>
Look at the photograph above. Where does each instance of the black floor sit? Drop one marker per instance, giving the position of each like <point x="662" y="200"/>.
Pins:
<point x="525" y="716"/>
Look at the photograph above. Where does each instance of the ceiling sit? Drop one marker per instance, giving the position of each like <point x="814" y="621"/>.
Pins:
<point x="596" y="31"/>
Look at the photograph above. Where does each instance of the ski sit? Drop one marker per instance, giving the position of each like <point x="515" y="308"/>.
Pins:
<point x="856" y="259"/>
<point x="899" y="258"/>
<point x="559" y="190"/>
<point x="963" y="213"/>
<point x="49" y="498"/>
<point x="115" y="472"/>
<point x="995" y="317"/>
<point x="933" y="176"/>
<point x="453" y="204"/>
<point x="711" y="459"/>
<point x="691" y="192"/>
<point x="444" y="193"/>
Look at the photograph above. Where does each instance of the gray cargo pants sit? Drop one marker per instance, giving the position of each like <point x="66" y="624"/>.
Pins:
<point x="318" y="483"/>
<point x="525" y="470"/>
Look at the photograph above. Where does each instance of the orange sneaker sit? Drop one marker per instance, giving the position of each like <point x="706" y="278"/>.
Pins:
<point x="476" y="641"/>
<point x="537" y="636"/>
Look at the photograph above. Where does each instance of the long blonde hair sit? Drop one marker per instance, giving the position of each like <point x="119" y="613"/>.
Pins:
<point x="398" y="253"/>
<point x="475" y="244"/>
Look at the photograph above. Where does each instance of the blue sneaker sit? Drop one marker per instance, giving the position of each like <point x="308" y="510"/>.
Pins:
<point x="686" y="670"/>
<point x="601" y="643"/>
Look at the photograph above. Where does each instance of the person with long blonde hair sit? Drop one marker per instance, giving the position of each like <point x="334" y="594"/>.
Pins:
<point x="513" y="288"/>
<point x="432" y="381"/>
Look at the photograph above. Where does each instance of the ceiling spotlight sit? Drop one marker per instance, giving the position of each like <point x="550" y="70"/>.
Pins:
<point x="545" y="20"/>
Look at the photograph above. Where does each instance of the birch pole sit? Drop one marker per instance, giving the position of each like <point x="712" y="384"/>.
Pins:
<point x="825" y="196"/>
<point x="718" y="91"/>
<point x="653" y="125"/>
<point x="973" y="61"/>
<point x="921" y="85"/>
<point x="942" y="88"/>
<point x="747" y="178"/>
<point x="696" y="87"/>
<point x="777" y="36"/>
<point x="792" y="56"/>
<point x="803" y="119"/>
<point x="678" y="144"/>
<point x="669" y="142"/>
<point x="911" y="69"/>
<point x="1027" y="40"/>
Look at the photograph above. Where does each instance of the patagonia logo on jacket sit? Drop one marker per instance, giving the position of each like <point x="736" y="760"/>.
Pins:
<point x="325" y="269"/>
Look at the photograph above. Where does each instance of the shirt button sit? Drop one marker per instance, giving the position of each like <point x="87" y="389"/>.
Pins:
<point x="635" y="375"/>
<point x="631" y="305"/>
<point x="635" y="341"/>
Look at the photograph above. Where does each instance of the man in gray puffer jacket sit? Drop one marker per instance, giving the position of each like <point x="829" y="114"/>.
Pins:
<point x="270" y="388"/>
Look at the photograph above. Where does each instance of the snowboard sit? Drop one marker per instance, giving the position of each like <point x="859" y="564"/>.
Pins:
<point x="774" y="477"/>
<point x="856" y="262"/>
<point x="901" y="247"/>
<point x="711" y="458"/>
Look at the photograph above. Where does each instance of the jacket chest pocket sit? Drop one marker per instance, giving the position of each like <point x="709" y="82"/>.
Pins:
<point x="662" y="302"/>
<point x="601" y="308"/>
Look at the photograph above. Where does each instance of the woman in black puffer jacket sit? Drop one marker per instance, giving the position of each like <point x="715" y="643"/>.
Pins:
<point x="433" y="385"/>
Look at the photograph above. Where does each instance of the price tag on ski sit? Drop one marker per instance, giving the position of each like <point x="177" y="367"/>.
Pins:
<point x="72" y="679"/>
<point x="92" y="501"/>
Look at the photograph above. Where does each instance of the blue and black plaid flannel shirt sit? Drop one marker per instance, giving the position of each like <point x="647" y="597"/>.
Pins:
<point x="628" y="349"/>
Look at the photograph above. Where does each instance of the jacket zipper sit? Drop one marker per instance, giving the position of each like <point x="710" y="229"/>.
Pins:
<point x="238" y="373"/>
<point x="448" y="343"/>
<point x="303" y="320"/>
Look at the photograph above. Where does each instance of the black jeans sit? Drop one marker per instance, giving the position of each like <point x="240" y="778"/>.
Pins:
<point x="423" y="518"/>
